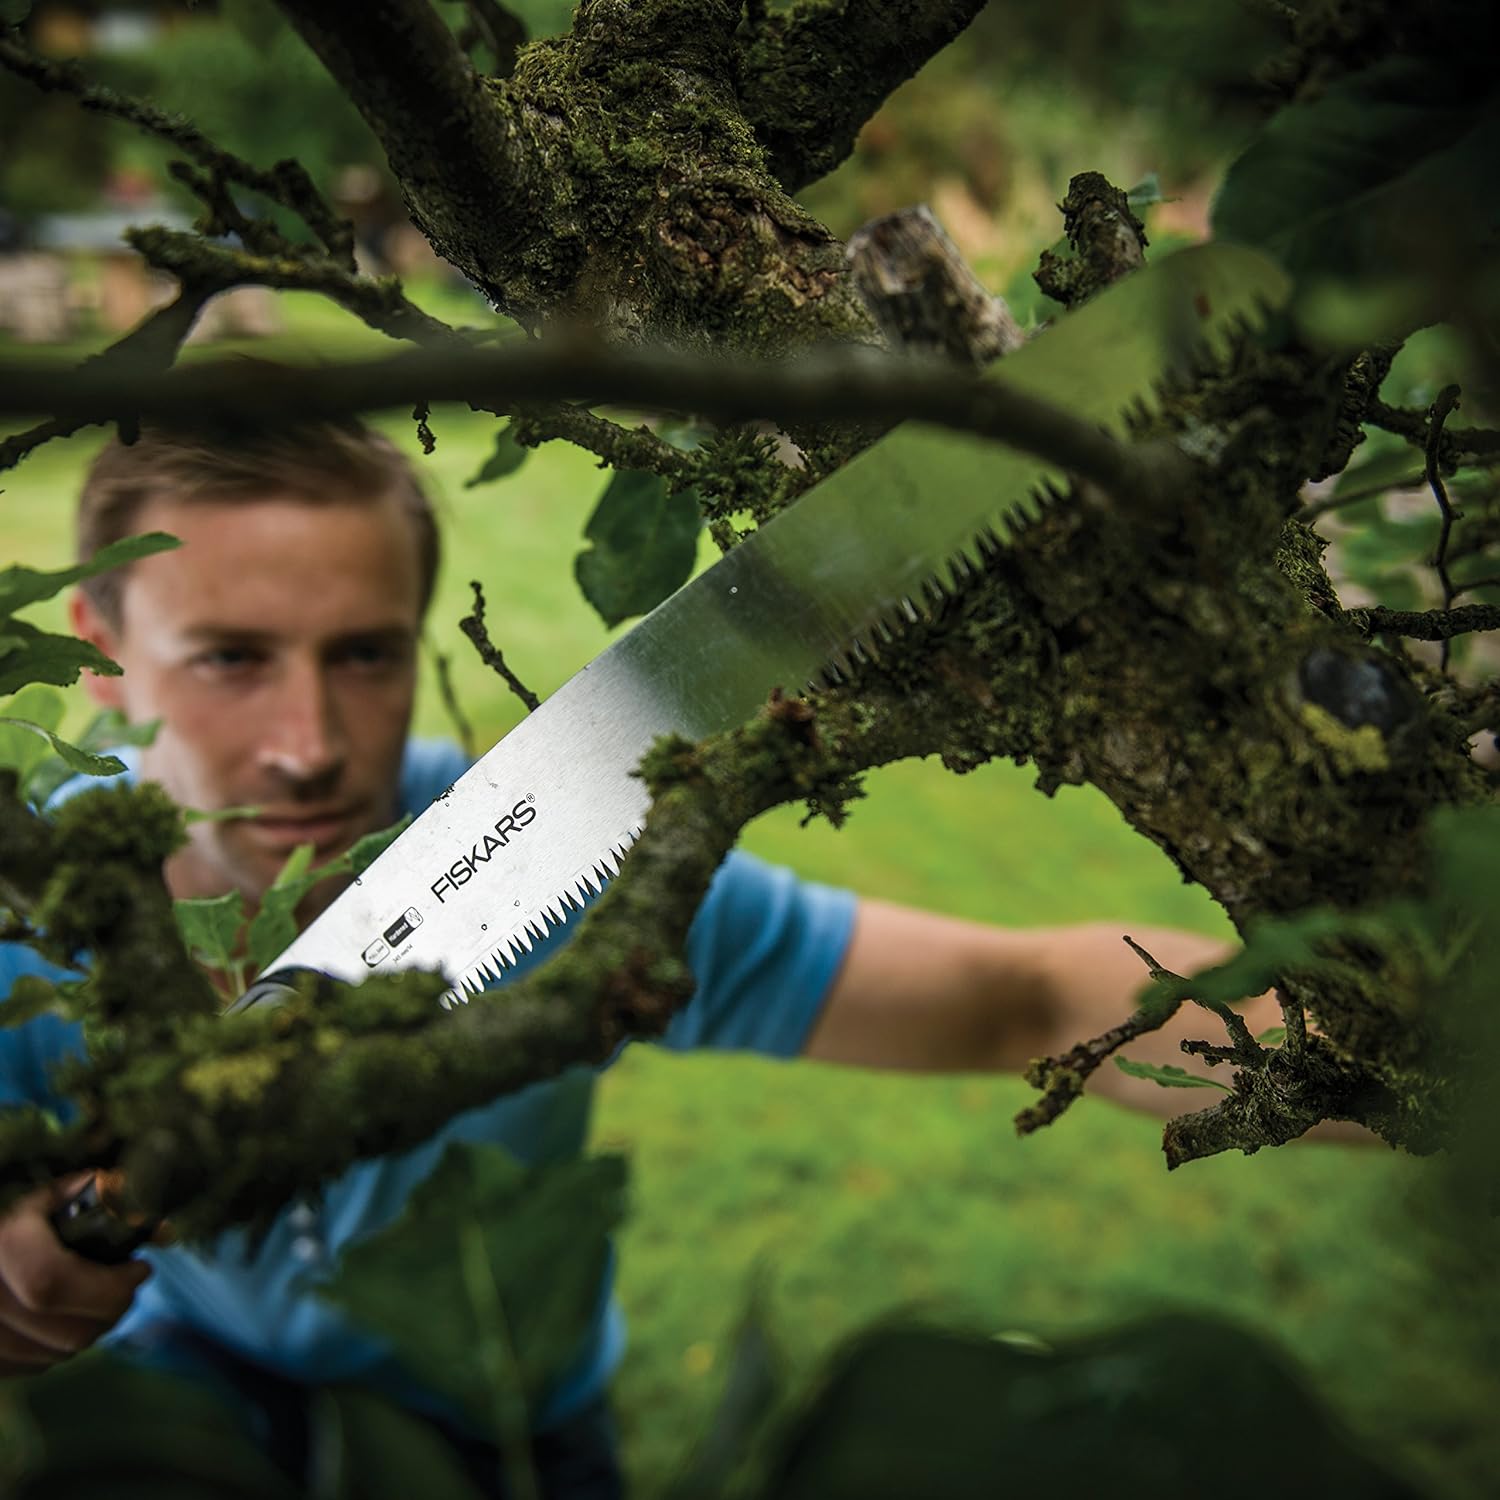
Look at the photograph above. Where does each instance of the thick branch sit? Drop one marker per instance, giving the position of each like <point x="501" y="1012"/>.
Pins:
<point x="836" y="388"/>
<point x="811" y="77"/>
<point x="447" y="140"/>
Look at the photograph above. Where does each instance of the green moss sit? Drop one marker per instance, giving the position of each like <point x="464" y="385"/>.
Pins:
<point x="1351" y="750"/>
<point x="242" y="1079"/>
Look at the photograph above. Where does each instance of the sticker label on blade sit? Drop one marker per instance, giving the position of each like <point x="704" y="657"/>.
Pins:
<point x="403" y="927"/>
<point x="377" y="950"/>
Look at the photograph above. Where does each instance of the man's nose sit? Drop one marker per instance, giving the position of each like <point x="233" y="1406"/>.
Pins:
<point x="303" y="738"/>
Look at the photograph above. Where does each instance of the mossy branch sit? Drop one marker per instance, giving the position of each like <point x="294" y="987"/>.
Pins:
<point x="810" y="77"/>
<point x="222" y="1121"/>
<point x="837" y="387"/>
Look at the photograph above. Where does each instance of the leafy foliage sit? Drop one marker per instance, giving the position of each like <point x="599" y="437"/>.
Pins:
<point x="643" y="539"/>
<point x="910" y="1411"/>
<point x="214" y="928"/>
<point x="486" y="1284"/>
<point x="505" y="460"/>
<point x="1377" y="181"/>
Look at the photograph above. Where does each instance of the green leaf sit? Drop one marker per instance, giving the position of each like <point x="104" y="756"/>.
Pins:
<point x="41" y="656"/>
<point x="20" y="748"/>
<point x="1168" y="1075"/>
<point x="1372" y="182"/>
<point x="210" y="927"/>
<point x="907" y="1412"/>
<point x="751" y="1387"/>
<point x="110" y="1427"/>
<point x="13" y="12"/>
<point x="368" y="1448"/>
<point x="275" y="924"/>
<point x="71" y="756"/>
<point x="542" y="1234"/>
<point x="1272" y="1036"/>
<point x="508" y="456"/>
<point x="1146" y="192"/>
<point x="191" y="815"/>
<point x="364" y="852"/>
<point x="644" y="541"/>
<point x="20" y="586"/>
<point x="30" y="996"/>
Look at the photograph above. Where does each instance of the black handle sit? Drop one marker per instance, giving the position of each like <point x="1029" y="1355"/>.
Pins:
<point x="272" y="989"/>
<point x="87" y="1226"/>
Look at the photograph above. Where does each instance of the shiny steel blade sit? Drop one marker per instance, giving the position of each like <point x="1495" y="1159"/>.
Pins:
<point x="542" y="820"/>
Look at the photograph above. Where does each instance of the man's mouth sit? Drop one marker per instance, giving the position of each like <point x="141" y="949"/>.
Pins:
<point x="322" y="829"/>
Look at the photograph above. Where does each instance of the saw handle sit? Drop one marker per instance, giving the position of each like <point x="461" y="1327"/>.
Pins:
<point x="90" y="1228"/>
<point x="272" y="989"/>
<point x="85" y="1223"/>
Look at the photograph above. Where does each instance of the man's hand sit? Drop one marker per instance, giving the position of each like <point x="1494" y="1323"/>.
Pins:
<point x="54" y="1303"/>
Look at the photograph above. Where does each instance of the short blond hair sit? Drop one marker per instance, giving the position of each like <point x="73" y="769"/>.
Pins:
<point x="317" y="462"/>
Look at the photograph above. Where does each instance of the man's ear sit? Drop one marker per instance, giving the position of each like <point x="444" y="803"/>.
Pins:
<point x="89" y="625"/>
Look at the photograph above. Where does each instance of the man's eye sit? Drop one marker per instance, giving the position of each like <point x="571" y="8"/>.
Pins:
<point x="372" y="655"/>
<point x="228" y="659"/>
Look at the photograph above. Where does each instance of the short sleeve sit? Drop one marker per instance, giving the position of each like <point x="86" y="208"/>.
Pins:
<point x="29" y="1052"/>
<point x="764" y="948"/>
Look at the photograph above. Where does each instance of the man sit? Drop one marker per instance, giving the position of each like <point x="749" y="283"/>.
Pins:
<point x="277" y="647"/>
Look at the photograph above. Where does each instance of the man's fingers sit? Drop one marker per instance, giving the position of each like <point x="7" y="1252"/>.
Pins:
<point x="55" y="1334"/>
<point x="44" y="1276"/>
<point x="20" y="1355"/>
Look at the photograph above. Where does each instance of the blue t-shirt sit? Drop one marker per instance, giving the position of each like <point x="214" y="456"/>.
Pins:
<point x="764" y="948"/>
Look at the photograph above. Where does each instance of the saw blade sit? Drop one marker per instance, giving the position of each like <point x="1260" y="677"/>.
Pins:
<point x="543" y="819"/>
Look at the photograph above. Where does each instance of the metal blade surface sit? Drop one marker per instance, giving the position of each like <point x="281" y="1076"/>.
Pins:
<point x="545" y="816"/>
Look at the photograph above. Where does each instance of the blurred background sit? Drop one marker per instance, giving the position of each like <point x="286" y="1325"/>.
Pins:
<point x="846" y="1195"/>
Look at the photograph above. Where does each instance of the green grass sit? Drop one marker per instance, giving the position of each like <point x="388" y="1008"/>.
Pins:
<point x="855" y="1194"/>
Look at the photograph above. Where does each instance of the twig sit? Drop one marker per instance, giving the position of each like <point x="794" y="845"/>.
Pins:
<point x="501" y="30"/>
<point x="1245" y="1048"/>
<point x="1447" y="400"/>
<point x="473" y="626"/>
<point x="1061" y="1079"/>
<point x="834" y="387"/>
<point x="442" y="669"/>
<point x="1316" y="508"/>
<point x="419" y="414"/>
<point x="380" y="302"/>
<point x="149" y="347"/>
<point x="1468" y="445"/>
<point x="1294" y="1018"/>
<point x="1492" y="582"/>
<point x="287" y="183"/>
<point x="1426" y="625"/>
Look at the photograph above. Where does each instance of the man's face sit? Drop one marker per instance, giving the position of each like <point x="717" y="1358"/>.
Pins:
<point x="277" y="646"/>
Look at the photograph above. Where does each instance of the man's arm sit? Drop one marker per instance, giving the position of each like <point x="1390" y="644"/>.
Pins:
<point x="937" y="994"/>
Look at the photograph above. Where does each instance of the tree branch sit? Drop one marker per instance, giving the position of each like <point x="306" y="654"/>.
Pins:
<point x="810" y="78"/>
<point x="286" y="183"/>
<point x="147" y="349"/>
<point x="443" y="129"/>
<point x="379" y="302"/>
<point x="1425" y="625"/>
<point x="834" y="388"/>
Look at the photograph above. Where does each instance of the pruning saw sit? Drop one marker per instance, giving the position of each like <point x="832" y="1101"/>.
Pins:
<point x="542" y="820"/>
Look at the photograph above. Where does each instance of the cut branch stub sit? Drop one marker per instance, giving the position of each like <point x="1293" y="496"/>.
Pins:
<point x="922" y="293"/>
